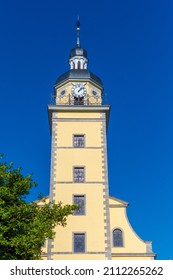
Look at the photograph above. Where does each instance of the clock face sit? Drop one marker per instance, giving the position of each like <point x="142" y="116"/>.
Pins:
<point x="78" y="90"/>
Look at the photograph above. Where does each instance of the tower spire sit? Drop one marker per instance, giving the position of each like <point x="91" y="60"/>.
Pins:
<point x="78" y="32"/>
<point x="78" y="56"/>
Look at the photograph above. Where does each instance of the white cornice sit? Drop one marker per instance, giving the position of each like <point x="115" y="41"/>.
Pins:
<point x="82" y="109"/>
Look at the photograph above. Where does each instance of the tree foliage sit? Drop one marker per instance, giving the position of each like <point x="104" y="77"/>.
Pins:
<point x="24" y="227"/>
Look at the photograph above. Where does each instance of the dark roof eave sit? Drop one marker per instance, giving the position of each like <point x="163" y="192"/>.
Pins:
<point x="79" y="75"/>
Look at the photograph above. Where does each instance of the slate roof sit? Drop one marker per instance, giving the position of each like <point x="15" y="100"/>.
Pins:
<point x="79" y="74"/>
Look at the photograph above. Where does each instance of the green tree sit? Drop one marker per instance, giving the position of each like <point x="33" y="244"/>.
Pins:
<point x="24" y="227"/>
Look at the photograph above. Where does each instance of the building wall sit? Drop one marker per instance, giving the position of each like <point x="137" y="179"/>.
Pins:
<point x="92" y="157"/>
<point x="102" y="214"/>
<point x="133" y="246"/>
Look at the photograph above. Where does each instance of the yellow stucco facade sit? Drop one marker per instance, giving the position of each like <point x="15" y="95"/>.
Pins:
<point x="100" y="229"/>
<point x="91" y="124"/>
<point x="133" y="247"/>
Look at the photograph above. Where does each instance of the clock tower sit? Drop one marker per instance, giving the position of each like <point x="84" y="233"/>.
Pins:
<point x="78" y="122"/>
<point x="99" y="229"/>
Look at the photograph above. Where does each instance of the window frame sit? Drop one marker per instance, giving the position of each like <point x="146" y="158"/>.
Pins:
<point x="122" y="238"/>
<point x="84" y="212"/>
<point x="80" y="135"/>
<point x="79" y="167"/>
<point x="79" y="233"/>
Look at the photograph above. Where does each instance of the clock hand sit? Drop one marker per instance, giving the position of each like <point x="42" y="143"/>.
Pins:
<point x="80" y="89"/>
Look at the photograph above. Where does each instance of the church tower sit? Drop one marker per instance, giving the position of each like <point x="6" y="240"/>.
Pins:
<point x="99" y="229"/>
<point x="78" y="122"/>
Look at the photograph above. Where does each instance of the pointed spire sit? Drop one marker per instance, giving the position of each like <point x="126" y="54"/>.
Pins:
<point x="78" y="32"/>
<point x="78" y="56"/>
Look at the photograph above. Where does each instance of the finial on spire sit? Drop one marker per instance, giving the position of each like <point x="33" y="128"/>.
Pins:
<point x="78" y="32"/>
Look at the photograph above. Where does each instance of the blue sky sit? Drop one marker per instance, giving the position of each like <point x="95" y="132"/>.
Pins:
<point x="130" y="45"/>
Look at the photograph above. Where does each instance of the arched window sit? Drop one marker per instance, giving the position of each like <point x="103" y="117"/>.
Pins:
<point x="78" y="66"/>
<point x="117" y="238"/>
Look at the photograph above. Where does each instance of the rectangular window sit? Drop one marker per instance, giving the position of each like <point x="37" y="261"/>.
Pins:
<point x="79" y="242"/>
<point x="80" y="201"/>
<point x="79" y="174"/>
<point x="78" y="141"/>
